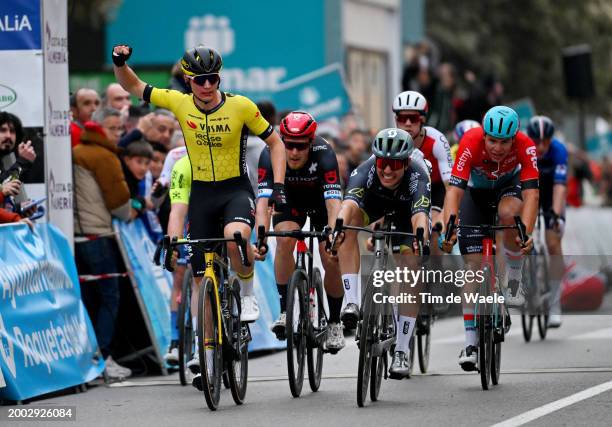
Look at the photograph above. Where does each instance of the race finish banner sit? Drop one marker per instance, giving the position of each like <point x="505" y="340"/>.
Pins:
<point x="321" y="92"/>
<point x="47" y="342"/>
<point x="34" y="87"/>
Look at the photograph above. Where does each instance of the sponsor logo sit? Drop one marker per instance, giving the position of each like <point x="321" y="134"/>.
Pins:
<point x="354" y="172"/>
<point x="56" y="47"/>
<point x="561" y="170"/>
<point x="7" y="96"/>
<point x="467" y="154"/>
<point x="216" y="30"/>
<point x="319" y="147"/>
<point x="347" y="285"/>
<point x="357" y="192"/>
<point x="6" y="349"/>
<point x="60" y="193"/>
<point x="261" y="174"/>
<point x="331" y="177"/>
<point x="531" y="152"/>
<point x="204" y="139"/>
<point x="454" y="180"/>
<point x="59" y="121"/>
<point x="220" y="128"/>
<point x="406" y="327"/>
<point x="14" y="23"/>
<point x="313" y="167"/>
<point x="423" y="202"/>
<point x="191" y="124"/>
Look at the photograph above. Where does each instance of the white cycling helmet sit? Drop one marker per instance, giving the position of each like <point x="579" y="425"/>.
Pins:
<point x="410" y="101"/>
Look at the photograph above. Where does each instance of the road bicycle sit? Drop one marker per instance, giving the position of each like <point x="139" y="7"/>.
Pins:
<point x="376" y="327"/>
<point x="306" y="320"/>
<point x="491" y="313"/>
<point x="222" y="337"/>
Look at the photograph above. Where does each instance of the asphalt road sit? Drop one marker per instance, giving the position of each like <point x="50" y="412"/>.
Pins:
<point x="572" y="359"/>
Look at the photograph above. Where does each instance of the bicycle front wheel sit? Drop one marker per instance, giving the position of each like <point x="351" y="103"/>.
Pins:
<point x="424" y="341"/>
<point x="485" y="332"/>
<point x="185" y="325"/>
<point x="296" y="331"/>
<point x="209" y="343"/>
<point x="318" y="320"/>
<point x="238" y="365"/>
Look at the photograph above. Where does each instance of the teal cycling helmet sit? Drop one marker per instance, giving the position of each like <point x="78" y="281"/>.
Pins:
<point x="393" y="143"/>
<point x="501" y="122"/>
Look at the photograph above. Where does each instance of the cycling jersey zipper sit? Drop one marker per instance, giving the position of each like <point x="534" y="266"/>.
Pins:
<point x="212" y="163"/>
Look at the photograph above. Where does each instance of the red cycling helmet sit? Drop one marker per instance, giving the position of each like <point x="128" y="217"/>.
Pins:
<point x="298" y="124"/>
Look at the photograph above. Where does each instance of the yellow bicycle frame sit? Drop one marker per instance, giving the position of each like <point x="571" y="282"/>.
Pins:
<point x="209" y="272"/>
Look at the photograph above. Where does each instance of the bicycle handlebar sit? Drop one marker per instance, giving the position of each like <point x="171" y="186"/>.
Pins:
<point x="518" y="225"/>
<point x="168" y="244"/>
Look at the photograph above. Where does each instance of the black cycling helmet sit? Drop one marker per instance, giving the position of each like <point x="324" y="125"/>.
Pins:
<point x="540" y="128"/>
<point x="201" y="60"/>
<point x="393" y="143"/>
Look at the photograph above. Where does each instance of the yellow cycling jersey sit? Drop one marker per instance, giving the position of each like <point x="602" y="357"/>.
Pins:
<point x="180" y="183"/>
<point x="215" y="139"/>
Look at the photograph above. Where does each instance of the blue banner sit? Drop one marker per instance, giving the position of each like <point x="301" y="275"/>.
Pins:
<point x="153" y="284"/>
<point x="20" y="25"/>
<point x="262" y="44"/>
<point x="322" y="93"/>
<point x="47" y="342"/>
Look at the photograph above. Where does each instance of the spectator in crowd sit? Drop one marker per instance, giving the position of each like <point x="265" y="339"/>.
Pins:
<point x="7" y="216"/>
<point x="135" y="113"/>
<point x="343" y="169"/>
<point x="83" y="103"/>
<point x="357" y="148"/>
<point x="110" y="120"/>
<point x="156" y="220"/>
<point x="135" y="161"/>
<point x="116" y="97"/>
<point x="606" y="181"/>
<point x="255" y="145"/>
<point x="16" y="156"/>
<point x="100" y="193"/>
<point x="442" y="114"/>
<point x="157" y="126"/>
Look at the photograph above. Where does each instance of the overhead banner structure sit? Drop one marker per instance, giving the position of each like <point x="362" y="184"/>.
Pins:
<point x="34" y="87"/>
<point x="47" y="342"/>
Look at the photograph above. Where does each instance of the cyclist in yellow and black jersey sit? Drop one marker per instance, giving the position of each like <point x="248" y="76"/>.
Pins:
<point x="214" y="124"/>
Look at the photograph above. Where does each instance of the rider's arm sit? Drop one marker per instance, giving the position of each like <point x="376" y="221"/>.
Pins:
<point x="127" y="78"/>
<point x="278" y="156"/>
<point x="459" y="179"/>
<point x="264" y="189"/>
<point x="441" y="151"/>
<point x="176" y="221"/>
<point x="329" y="176"/>
<point x="452" y="201"/>
<point x="560" y="179"/>
<point x="529" y="177"/>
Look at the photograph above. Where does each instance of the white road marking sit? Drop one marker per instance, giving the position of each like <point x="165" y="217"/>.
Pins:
<point x="599" y="334"/>
<point x="536" y="413"/>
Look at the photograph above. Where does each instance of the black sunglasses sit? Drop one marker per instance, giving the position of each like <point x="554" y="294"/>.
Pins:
<point x="201" y="79"/>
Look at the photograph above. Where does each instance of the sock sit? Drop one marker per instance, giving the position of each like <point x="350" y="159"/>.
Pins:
<point x="173" y="326"/>
<point x="246" y="283"/>
<point x="405" y="326"/>
<point x="469" y="323"/>
<point x="514" y="265"/>
<point x="351" y="288"/>
<point x="335" y="305"/>
<point x="194" y="323"/>
<point x="555" y="293"/>
<point x="282" y="293"/>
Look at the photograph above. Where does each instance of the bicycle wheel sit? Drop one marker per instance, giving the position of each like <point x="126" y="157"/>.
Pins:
<point x="318" y="320"/>
<point x="296" y="331"/>
<point x="384" y="331"/>
<point x="366" y="339"/>
<point x="485" y="335"/>
<point x="210" y="349"/>
<point x="424" y="341"/>
<point x="185" y="329"/>
<point x="496" y="347"/>
<point x="527" y="322"/>
<point x="544" y="288"/>
<point x="238" y="365"/>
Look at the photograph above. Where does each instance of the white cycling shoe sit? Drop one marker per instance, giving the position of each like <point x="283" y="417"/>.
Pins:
<point x="250" y="308"/>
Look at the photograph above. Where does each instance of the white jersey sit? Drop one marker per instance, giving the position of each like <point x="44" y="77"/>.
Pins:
<point x="173" y="156"/>
<point x="436" y="149"/>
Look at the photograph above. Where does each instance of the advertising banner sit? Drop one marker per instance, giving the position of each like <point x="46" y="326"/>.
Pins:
<point x="20" y="25"/>
<point x="152" y="285"/>
<point x="322" y="93"/>
<point x="47" y="342"/>
<point x="58" y="153"/>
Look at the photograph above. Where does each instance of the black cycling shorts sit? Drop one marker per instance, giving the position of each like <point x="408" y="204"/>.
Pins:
<point x="318" y="216"/>
<point x="480" y="207"/>
<point x="213" y="205"/>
